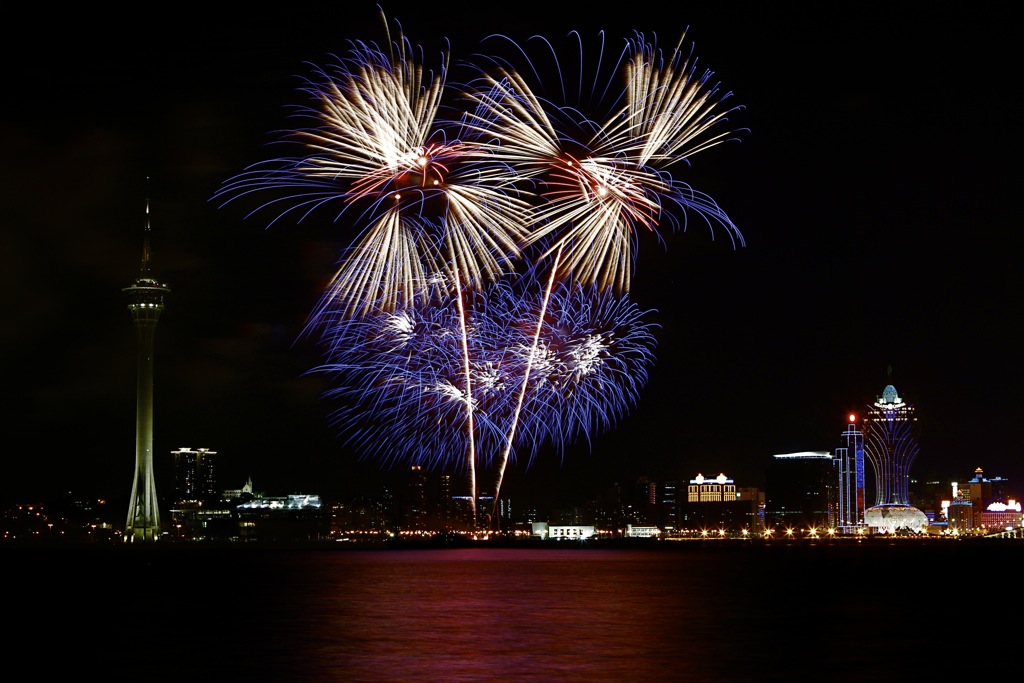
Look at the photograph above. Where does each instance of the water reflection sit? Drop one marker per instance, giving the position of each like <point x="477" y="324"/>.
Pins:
<point x="724" y="613"/>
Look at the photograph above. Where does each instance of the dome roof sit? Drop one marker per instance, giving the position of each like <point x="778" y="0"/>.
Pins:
<point x="889" y="394"/>
<point x="890" y="518"/>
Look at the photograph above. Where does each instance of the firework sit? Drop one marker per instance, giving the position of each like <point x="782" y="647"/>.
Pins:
<point x="429" y="200"/>
<point x="603" y="176"/>
<point x="399" y="375"/>
<point x="482" y="310"/>
<point x="604" y="180"/>
<point x="582" y="367"/>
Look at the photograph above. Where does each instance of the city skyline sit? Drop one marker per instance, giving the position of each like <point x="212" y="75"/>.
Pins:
<point x="876" y="206"/>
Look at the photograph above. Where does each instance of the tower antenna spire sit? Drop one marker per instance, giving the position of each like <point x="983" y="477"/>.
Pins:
<point x="144" y="270"/>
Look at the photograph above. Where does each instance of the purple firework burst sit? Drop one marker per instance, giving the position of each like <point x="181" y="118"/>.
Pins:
<point x="404" y="397"/>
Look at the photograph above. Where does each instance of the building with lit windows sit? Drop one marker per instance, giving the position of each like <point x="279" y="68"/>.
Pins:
<point x="891" y="444"/>
<point x="295" y="517"/>
<point x="1001" y="517"/>
<point x="195" y="474"/>
<point x="982" y="491"/>
<point x="718" y="504"/>
<point x="562" y="532"/>
<point x="668" y="506"/>
<point x="850" y="497"/>
<point x="710" y="490"/>
<point x="415" y="510"/>
<point x="982" y="505"/>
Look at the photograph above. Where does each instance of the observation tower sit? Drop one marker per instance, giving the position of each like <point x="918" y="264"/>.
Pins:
<point x="146" y="301"/>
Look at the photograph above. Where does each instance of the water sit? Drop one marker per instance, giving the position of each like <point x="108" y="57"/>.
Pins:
<point x="717" y="611"/>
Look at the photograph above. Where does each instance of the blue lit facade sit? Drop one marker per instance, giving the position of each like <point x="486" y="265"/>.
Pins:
<point x="890" y="444"/>
<point x="850" y="492"/>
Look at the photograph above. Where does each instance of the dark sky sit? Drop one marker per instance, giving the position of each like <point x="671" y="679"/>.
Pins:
<point x="878" y="189"/>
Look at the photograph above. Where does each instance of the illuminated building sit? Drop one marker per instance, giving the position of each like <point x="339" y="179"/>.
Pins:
<point x="753" y="498"/>
<point x="959" y="516"/>
<point x="982" y="504"/>
<point x="849" y="464"/>
<point x="295" y="517"/>
<point x="196" y="512"/>
<point x="642" y="506"/>
<point x="562" y="532"/>
<point x="1001" y="516"/>
<point x="982" y="491"/>
<point x="446" y="507"/>
<point x="798" y="487"/>
<point x="710" y="490"/>
<point x="415" y="515"/>
<point x="718" y="504"/>
<point x="195" y="476"/>
<point x="890" y="443"/>
<point x="146" y="302"/>
<point x="669" y="506"/>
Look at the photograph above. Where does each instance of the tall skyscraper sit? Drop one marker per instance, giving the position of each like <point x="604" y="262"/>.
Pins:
<point x="798" y="488"/>
<point x="669" y="506"/>
<point x="890" y="443"/>
<point x="849" y="464"/>
<point x="146" y="301"/>
<point x="415" y="512"/>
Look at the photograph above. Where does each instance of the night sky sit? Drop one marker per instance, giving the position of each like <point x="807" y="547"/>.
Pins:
<point x="876" y="181"/>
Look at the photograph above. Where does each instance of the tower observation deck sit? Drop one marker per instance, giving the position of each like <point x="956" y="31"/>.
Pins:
<point x="146" y="301"/>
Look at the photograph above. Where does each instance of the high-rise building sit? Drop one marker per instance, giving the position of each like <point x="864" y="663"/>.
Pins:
<point x="195" y="474"/>
<point x="415" y="513"/>
<point x="798" y="487"/>
<point x="446" y="503"/>
<point x="146" y="301"/>
<point x="849" y="464"/>
<point x="668" y="500"/>
<point x="890" y="444"/>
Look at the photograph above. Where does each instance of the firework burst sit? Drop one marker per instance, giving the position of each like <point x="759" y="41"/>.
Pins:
<point x="430" y="201"/>
<point x="604" y="177"/>
<point x="399" y="376"/>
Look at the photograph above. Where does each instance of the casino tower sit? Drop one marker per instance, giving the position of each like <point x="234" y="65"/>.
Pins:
<point x="891" y="444"/>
